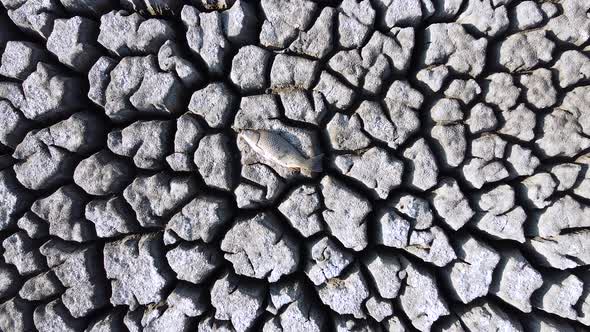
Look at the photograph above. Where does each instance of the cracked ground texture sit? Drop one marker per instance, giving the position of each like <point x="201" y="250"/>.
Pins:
<point x="454" y="193"/>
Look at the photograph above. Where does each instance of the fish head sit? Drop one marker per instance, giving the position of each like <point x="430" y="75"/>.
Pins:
<point x="250" y="136"/>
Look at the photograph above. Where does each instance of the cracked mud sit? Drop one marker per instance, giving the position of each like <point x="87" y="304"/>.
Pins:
<point x="294" y="165"/>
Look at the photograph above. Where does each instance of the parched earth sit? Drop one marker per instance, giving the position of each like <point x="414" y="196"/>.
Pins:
<point x="454" y="196"/>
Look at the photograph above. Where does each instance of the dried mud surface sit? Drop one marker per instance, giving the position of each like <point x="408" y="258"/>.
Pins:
<point x="454" y="193"/>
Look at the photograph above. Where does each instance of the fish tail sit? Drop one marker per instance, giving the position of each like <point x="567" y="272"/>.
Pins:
<point x="314" y="164"/>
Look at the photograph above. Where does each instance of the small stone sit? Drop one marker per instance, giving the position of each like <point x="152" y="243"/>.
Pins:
<point x="394" y="323"/>
<point x="446" y="111"/>
<point x="188" y="134"/>
<point x="347" y="324"/>
<point x="35" y="17"/>
<point x="106" y="322"/>
<point x="140" y="74"/>
<point x="415" y="208"/>
<point x="345" y="133"/>
<point x="497" y="200"/>
<point x="550" y="9"/>
<point x="478" y="172"/>
<point x="240" y="22"/>
<point x="158" y="319"/>
<point x="75" y="267"/>
<point x="297" y="311"/>
<point x="563" y="251"/>
<point x="431" y="245"/>
<point x="158" y="93"/>
<point x="15" y="126"/>
<point x="519" y="122"/>
<point x="556" y="125"/>
<point x="209" y="324"/>
<point x="507" y="226"/>
<point x="399" y="13"/>
<point x="377" y="124"/>
<point x="488" y="147"/>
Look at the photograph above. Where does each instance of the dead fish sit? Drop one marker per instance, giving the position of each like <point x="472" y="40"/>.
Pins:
<point x="274" y="147"/>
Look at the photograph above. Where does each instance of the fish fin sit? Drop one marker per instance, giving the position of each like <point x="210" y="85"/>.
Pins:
<point x="314" y="164"/>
